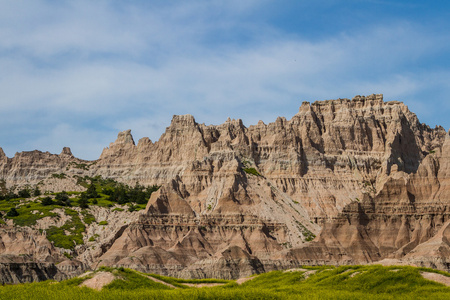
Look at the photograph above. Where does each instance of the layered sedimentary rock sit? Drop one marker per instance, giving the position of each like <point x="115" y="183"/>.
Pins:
<point x="407" y="221"/>
<point x="363" y="174"/>
<point x="26" y="256"/>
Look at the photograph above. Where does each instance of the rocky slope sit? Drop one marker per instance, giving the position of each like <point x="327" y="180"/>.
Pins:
<point x="363" y="174"/>
<point x="407" y="221"/>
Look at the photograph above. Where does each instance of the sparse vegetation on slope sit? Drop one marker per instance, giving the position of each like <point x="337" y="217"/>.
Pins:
<point x="26" y="210"/>
<point x="107" y="192"/>
<point x="70" y="234"/>
<point x="252" y="171"/>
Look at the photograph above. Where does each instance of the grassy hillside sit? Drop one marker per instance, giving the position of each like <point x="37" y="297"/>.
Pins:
<point x="28" y="205"/>
<point x="348" y="282"/>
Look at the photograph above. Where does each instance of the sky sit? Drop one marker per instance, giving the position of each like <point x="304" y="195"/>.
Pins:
<point x="75" y="73"/>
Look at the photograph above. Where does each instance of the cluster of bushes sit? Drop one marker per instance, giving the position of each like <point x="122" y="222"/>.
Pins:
<point x="99" y="191"/>
<point x="61" y="199"/>
<point x="122" y="193"/>
<point x="106" y="189"/>
<point x="12" y="212"/>
<point x="68" y="235"/>
<point x="6" y="194"/>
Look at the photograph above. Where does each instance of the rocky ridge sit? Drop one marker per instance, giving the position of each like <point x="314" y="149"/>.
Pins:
<point x="363" y="174"/>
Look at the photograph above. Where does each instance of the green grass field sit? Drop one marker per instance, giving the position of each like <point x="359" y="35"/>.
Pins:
<point x="347" y="282"/>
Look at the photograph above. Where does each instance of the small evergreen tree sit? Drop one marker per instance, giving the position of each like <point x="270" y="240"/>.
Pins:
<point x="47" y="201"/>
<point x="62" y="199"/>
<point x="84" y="201"/>
<point x="92" y="191"/>
<point x="24" y="193"/>
<point x="36" y="192"/>
<point x="12" y="212"/>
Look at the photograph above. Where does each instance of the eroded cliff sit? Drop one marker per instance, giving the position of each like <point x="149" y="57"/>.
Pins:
<point x="363" y="174"/>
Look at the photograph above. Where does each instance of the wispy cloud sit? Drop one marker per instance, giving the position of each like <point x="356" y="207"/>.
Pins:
<point x="75" y="73"/>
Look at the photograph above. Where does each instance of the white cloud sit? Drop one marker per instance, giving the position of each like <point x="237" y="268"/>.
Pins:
<point x="84" y="142"/>
<point x="81" y="70"/>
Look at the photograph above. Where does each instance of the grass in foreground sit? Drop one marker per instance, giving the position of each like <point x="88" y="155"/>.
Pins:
<point x="348" y="282"/>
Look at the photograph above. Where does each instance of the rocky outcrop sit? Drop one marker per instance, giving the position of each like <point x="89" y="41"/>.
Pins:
<point x="328" y="154"/>
<point x="26" y="256"/>
<point x="406" y="221"/>
<point x="25" y="242"/>
<point x="51" y="171"/>
<point x="363" y="175"/>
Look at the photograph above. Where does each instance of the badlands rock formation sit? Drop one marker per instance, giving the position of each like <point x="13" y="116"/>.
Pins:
<point x="363" y="175"/>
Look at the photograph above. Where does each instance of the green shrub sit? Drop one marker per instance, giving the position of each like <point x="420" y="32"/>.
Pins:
<point x="24" y="193"/>
<point x="70" y="234"/>
<point x="252" y="171"/>
<point x="59" y="176"/>
<point x="47" y="201"/>
<point x="36" y="192"/>
<point x="62" y="199"/>
<point x="87" y="217"/>
<point x="103" y="223"/>
<point x="28" y="215"/>
<point x="12" y="212"/>
<point x="84" y="201"/>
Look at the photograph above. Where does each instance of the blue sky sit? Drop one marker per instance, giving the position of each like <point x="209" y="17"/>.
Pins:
<point x="75" y="73"/>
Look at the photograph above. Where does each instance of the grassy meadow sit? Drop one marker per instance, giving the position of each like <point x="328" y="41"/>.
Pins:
<point x="347" y="282"/>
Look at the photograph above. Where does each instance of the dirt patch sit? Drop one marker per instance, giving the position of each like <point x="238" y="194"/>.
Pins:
<point x="295" y="270"/>
<point x="309" y="273"/>
<point x="245" y="279"/>
<point x="436" y="277"/>
<point x="356" y="273"/>
<point x="162" y="282"/>
<point x="200" y="285"/>
<point x="99" y="280"/>
<point x="306" y="272"/>
<point x="86" y="274"/>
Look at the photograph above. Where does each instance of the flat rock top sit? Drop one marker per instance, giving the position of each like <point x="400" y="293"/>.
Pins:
<point x="99" y="280"/>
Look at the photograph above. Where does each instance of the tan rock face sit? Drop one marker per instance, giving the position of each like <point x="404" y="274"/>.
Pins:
<point x="363" y="174"/>
<point x="26" y="242"/>
<point x="407" y="220"/>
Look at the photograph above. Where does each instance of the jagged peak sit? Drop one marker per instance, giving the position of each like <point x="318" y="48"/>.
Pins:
<point x="281" y="121"/>
<point x="125" y="137"/>
<point x="144" y="141"/>
<point x="66" y="151"/>
<point x="305" y="107"/>
<point x="236" y="122"/>
<point x="2" y="153"/>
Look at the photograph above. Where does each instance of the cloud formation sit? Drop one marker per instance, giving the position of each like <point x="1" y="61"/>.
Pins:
<point x="77" y="72"/>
